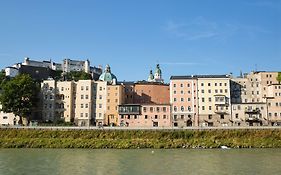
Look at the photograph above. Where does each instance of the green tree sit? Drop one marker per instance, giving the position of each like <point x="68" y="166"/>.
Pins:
<point x="78" y="75"/>
<point x="3" y="78"/>
<point x="19" y="95"/>
<point x="279" y="77"/>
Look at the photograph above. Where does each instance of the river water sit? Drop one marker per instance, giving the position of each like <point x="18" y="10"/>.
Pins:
<point x="139" y="161"/>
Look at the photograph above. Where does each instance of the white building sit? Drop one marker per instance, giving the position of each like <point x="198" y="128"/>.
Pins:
<point x="69" y="65"/>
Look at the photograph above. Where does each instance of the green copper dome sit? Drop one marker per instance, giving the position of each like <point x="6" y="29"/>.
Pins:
<point x="107" y="75"/>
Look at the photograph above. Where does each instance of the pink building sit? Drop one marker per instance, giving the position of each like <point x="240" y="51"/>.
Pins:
<point x="183" y="97"/>
<point x="145" y="115"/>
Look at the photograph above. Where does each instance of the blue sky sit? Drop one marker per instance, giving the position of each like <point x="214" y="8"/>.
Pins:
<point x="184" y="36"/>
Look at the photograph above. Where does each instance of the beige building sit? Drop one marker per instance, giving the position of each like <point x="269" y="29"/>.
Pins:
<point x="249" y="114"/>
<point x="101" y="102"/>
<point x="249" y="95"/>
<point x="274" y="104"/>
<point x="83" y="102"/>
<point x="7" y="119"/>
<point x="65" y="98"/>
<point x="183" y="93"/>
<point x="214" y="100"/>
<point x="115" y="97"/>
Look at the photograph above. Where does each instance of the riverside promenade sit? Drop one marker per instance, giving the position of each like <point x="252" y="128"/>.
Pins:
<point x="138" y="128"/>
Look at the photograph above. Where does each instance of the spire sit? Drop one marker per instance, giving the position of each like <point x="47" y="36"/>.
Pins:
<point x="150" y="77"/>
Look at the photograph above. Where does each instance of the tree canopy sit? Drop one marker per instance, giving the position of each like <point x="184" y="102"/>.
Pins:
<point x="19" y="95"/>
<point x="77" y="75"/>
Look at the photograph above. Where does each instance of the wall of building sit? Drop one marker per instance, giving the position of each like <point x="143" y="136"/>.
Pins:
<point x="274" y="104"/>
<point x="214" y="101"/>
<point x="145" y="93"/>
<point x="115" y="97"/>
<point x="150" y="116"/>
<point x="183" y="93"/>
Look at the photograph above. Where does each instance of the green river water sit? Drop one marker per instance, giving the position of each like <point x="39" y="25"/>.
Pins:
<point x="139" y="161"/>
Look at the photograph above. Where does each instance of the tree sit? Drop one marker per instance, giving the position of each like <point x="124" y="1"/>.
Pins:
<point x="78" y="75"/>
<point x="279" y="77"/>
<point x="3" y="78"/>
<point x="19" y="96"/>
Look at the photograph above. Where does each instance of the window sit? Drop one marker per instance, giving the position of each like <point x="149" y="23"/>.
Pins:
<point x="225" y="90"/>
<point x="157" y="109"/>
<point x="87" y="88"/>
<point x="210" y="107"/>
<point x="5" y="117"/>
<point x="151" y="109"/>
<point x="209" y="117"/>
<point x="182" y="117"/>
<point x="175" y="92"/>
<point x="216" y="84"/>
<point x="82" y="96"/>
<point x="86" y="105"/>
<point x="175" y="108"/>
<point x="100" y="88"/>
<point x="100" y="105"/>
<point x="145" y="117"/>
<point x="156" y="116"/>
<point x="202" y="84"/>
<point x="86" y="115"/>
<point x="202" y="90"/>
<point x="189" y="108"/>
<point x="188" y="99"/>
<point x="210" y="99"/>
<point x="82" y="88"/>
<point x="51" y="97"/>
<point x="181" y="85"/>
<point x="209" y="84"/>
<point x="136" y="116"/>
<point x="86" y="96"/>
<point x="182" y="108"/>
<point x="182" y="100"/>
<point x="144" y="109"/>
<point x="61" y="88"/>
<point x="203" y="99"/>
<point x="100" y="97"/>
<point x="181" y="92"/>
<point x="269" y="114"/>
<point x="164" y="109"/>
<point x="209" y="91"/>
<point x="174" y="85"/>
<point x="222" y="116"/>
<point x="175" y="99"/>
<point x="203" y="107"/>
<point x="164" y="116"/>
<point x="225" y="84"/>
<point x="50" y="106"/>
<point x="82" y="106"/>
<point x="81" y="114"/>
<point x="216" y="91"/>
<point x="220" y="84"/>
<point x="188" y="85"/>
<point x="236" y="116"/>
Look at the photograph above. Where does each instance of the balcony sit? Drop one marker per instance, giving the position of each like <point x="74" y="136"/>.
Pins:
<point x="252" y="111"/>
<point x="221" y="111"/>
<point x="129" y="109"/>
<point x="221" y="100"/>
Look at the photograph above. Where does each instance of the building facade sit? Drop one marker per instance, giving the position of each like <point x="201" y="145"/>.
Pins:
<point x="183" y="98"/>
<point x="214" y="103"/>
<point x="145" y="115"/>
